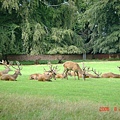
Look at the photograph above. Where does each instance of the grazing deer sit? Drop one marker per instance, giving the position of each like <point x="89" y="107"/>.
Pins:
<point x="69" y="65"/>
<point x="7" y="68"/>
<point x="110" y="75"/>
<point x="14" y="76"/>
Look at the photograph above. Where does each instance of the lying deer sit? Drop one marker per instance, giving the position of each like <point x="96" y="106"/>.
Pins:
<point x="96" y="74"/>
<point x="110" y="75"/>
<point x="52" y="71"/>
<point x="7" y="68"/>
<point x="44" y="77"/>
<point x="72" y="66"/>
<point x="60" y="75"/>
<point x="87" y="75"/>
<point x="33" y="76"/>
<point x="13" y="77"/>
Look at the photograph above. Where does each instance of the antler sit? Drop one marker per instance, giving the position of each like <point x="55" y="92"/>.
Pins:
<point x="18" y="65"/>
<point x="84" y="70"/>
<point x="94" y="70"/>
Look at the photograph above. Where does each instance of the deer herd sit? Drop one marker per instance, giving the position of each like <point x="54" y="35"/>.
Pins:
<point x="70" y="69"/>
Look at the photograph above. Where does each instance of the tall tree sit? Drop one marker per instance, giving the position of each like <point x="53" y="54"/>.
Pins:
<point x="100" y="27"/>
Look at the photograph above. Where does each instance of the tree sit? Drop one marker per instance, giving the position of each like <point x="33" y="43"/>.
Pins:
<point x="102" y="22"/>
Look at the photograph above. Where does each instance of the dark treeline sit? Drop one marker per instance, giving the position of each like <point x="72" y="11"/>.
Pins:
<point x="59" y="26"/>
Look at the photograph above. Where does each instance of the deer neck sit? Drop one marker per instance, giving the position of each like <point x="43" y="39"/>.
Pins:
<point x="80" y="71"/>
<point x="15" y="75"/>
<point x="5" y="71"/>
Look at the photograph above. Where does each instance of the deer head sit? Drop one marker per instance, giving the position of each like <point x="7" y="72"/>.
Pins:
<point x="18" y="69"/>
<point x="52" y="71"/>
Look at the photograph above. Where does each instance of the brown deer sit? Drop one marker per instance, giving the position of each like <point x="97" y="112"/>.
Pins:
<point x="110" y="75"/>
<point x="52" y="71"/>
<point x="7" y="68"/>
<point x="13" y="77"/>
<point x="60" y="75"/>
<point x="96" y="74"/>
<point x="72" y="66"/>
<point x="44" y="77"/>
<point x="33" y="76"/>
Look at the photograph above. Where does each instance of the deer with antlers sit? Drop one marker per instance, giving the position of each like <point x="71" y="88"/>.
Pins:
<point x="52" y="71"/>
<point x="41" y="77"/>
<point x="72" y="66"/>
<point x="13" y="77"/>
<point x="44" y="77"/>
<point x="7" y="68"/>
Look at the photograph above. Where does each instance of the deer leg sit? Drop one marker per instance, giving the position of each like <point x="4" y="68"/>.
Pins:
<point x="77" y="75"/>
<point x="66" y="72"/>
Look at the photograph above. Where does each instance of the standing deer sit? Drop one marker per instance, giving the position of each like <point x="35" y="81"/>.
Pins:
<point x="14" y="76"/>
<point x="7" y="68"/>
<point x="72" y="66"/>
<point x="85" y="73"/>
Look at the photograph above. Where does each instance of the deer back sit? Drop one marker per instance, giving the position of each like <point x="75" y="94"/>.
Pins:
<point x="44" y="77"/>
<point x="7" y="77"/>
<point x="110" y="75"/>
<point x="33" y="76"/>
<point x="60" y="75"/>
<point x="69" y="65"/>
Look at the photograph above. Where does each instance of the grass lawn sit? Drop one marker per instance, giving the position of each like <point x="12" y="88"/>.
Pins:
<point x="61" y="99"/>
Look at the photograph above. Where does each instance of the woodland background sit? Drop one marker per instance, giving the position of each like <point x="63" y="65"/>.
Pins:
<point x="37" y="27"/>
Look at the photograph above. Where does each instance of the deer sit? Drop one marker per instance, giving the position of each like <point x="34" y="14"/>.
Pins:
<point x="72" y="66"/>
<point x="33" y="76"/>
<point x="110" y="75"/>
<point x="7" y="68"/>
<point x="44" y="77"/>
<point x="60" y="75"/>
<point x="14" y="76"/>
<point x="52" y="71"/>
<point x="97" y="74"/>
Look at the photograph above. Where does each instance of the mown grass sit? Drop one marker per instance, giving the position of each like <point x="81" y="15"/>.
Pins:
<point x="70" y="99"/>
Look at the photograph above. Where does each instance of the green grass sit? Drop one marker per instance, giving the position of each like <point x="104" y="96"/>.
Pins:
<point x="70" y="99"/>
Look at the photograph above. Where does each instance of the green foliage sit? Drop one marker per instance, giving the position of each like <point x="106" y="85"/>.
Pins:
<point x="103" y="26"/>
<point x="45" y="26"/>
